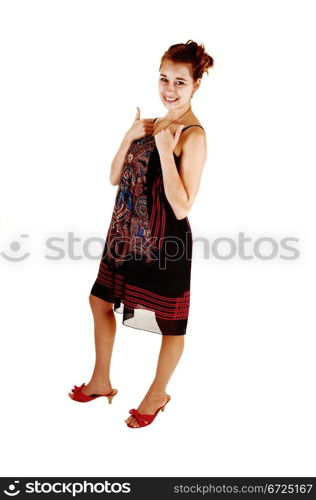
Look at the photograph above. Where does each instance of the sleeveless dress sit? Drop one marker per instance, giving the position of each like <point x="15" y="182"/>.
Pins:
<point x="145" y="269"/>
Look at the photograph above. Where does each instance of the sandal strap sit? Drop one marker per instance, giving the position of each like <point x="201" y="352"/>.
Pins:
<point x="77" y="389"/>
<point x="141" y="417"/>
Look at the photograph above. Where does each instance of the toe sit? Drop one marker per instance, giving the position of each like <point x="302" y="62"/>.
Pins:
<point x="133" y="422"/>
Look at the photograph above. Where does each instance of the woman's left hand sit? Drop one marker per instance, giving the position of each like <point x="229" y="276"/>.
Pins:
<point x="166" y="141"/>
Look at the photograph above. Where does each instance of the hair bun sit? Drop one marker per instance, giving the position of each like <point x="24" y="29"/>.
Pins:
<point x="193" y="53"/>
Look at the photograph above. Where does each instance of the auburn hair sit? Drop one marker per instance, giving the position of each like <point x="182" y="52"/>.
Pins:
<point x="191" y="53"/>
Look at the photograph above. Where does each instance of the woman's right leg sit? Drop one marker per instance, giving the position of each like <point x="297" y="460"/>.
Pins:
<point x="104" y="336"/>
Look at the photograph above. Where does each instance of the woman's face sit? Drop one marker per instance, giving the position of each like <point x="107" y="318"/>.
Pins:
<point x="176" y="83"/>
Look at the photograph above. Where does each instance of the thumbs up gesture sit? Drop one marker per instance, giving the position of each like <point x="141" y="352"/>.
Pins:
<point x="166" y="141"/>
<point x="137" y="117"/>
<point x="140" y="127"/>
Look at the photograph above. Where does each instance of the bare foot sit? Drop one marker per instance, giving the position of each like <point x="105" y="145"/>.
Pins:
<point x="94" y="388"/>
<point x="149" y="406"/>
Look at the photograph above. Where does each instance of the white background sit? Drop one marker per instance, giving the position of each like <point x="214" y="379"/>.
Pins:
<point x="243" y="394"/>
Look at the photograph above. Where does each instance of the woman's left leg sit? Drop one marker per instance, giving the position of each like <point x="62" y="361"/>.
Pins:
<point x="170" y="352"/>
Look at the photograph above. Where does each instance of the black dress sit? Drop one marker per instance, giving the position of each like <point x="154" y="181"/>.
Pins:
<point x="145" y="269"/>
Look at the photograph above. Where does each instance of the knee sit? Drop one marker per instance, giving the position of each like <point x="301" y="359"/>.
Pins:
<point x="99" y="306"/>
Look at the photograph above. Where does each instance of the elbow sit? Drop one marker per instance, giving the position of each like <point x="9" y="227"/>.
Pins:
<point x="180" y="217"/>
<point x="114" y="182"/>
<point x="113" y="178"/>
<point x="181" y="214"/>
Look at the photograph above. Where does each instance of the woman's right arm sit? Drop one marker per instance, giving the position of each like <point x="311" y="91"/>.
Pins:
<point x="118" y="160"/>
<point x="139" y="128"/>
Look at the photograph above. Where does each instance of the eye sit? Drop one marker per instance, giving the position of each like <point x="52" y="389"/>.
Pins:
<point x="164" y="79"/>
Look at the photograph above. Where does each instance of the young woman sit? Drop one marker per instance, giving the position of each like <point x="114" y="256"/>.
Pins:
<point x="145" y="268"/>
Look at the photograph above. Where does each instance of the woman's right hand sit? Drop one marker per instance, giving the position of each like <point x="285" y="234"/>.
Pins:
<point x="140" y="128"/>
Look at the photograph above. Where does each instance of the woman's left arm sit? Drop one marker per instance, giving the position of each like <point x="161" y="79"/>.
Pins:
<point x="181" y="185"/>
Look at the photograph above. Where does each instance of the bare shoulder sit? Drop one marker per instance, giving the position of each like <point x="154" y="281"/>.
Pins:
<point x="192" y="138"/>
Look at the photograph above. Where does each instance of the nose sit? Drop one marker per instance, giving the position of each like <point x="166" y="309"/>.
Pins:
<point x="170" y="92"/>
<point x="170" y="89"/>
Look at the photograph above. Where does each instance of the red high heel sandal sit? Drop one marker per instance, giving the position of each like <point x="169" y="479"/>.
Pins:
<point x="146" y="419"/>
<point x="79" y="396"/>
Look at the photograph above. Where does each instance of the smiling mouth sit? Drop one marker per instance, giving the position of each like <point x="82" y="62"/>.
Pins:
<point x="170" y="100"/>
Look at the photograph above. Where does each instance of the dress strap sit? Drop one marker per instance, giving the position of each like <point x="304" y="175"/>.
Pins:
<point x="184" y="128"/>
<point x="195" y="125"/>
